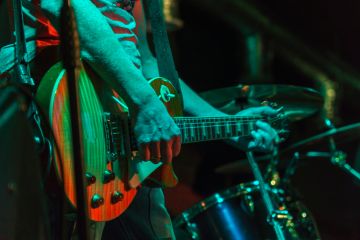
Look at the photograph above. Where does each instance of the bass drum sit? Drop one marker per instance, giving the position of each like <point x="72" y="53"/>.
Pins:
<point x="238" y="213"/>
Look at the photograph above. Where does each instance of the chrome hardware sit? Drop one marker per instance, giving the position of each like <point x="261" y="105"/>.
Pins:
<point x="108" y="176"/>
<point x="338" y="158"/>
<point x="90" y="179"/>
<point x="249" y="204"/>
<point x="115" y="134"/>
<point x="193" y="230"/>
<point x="116" y="197"/>
<point x="97" y="201"/>
<point x="281" y="216"/>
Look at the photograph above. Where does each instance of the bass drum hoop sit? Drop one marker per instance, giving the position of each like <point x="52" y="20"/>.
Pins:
<point x="217" y="198"/>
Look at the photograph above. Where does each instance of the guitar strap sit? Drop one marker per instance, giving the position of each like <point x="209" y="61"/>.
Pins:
<point x="166" y="66"/>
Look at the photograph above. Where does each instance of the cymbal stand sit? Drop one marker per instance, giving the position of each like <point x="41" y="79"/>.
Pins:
<point x="338" y="157"/>
<point x="291" y="167"/>
<point x="271" y="174"/>
<point x="274" y="216"/>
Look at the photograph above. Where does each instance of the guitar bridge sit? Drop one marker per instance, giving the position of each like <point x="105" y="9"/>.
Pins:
<point x="116" y="135"/>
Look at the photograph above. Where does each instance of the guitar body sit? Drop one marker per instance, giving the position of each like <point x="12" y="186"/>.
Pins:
<point x="113" y="169"/>
<point x="105" y="199"/>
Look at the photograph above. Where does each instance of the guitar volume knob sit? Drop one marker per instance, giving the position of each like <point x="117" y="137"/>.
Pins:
<point x="108" y="176"/>
<point x="97" y="201"/>
<point x="116" y="197"/>
<point x="90" y="179"/>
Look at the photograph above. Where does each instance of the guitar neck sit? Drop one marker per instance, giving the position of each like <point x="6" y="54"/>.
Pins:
<point x="199" y="129"/>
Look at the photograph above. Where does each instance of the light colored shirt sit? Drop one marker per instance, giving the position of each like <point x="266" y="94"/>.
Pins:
<point x="39" y="32"/>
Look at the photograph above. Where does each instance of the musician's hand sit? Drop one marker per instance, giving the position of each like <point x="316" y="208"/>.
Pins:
<point x="264" y="138"/>
<point x="157" y="134"/>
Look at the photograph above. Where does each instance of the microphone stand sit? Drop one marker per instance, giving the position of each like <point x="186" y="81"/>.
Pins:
<point x="71" y="61"/>
<point x="273" y="215"/>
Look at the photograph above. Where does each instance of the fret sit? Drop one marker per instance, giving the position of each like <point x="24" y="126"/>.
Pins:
<point x="204" y="130"/>
<point x="233" y="130"/>
<point x="212" y="133"/>
<point x="245" y="129"/>
<point x="184" y="134"/>
<point x="195" y="129"/>
<point x="228" y="129"/>
<point x="217" y="130"/>
<point x="251" y="126"/>
<point x="239" y="129"/>
<point x="198" y="130"/>
<point x="209" y="130"/>
<point x="192" y="131"/>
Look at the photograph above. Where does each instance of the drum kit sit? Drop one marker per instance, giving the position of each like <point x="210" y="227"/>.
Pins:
<point x="267" y="208"/>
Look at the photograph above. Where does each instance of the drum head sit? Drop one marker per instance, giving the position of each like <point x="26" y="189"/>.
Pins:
<point x="239" y="213"/>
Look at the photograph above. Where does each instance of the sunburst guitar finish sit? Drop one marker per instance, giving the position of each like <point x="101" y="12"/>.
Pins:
<point x="103" y="112"/>
<point x="112" y="168"/>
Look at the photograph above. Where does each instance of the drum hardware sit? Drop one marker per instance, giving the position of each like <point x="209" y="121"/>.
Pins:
<point x="238" y="213"/>
<point x="249" y="204"/>
<point x="278" y="228"/>
<point x="339" y="135"/>
<point x="330" y="137"/>
<point x="274" y="181"/>
<point x="298" y="102"/>
<point x="271" y="173"/>
<point x="303" y="149"/>
<point x="277" y="211"/>
<point x="281" y="216"/>
<point x="291" y="167"/>
<point x="338" y="157"/>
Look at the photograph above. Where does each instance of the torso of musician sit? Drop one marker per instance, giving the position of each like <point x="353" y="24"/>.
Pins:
<point x="112" y="46"/>
<point x="40" y="33"/>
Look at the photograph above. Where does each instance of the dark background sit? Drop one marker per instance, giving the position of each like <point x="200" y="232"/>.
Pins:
<point x="208" y="52"/>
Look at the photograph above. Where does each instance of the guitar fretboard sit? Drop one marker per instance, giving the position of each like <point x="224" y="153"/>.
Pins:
<point x="198" y="129"/>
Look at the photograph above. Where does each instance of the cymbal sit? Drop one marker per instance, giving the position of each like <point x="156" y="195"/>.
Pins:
<point x="307" y="148"/>
<point x="339" y="135"/>
<point x="298" y="102"/>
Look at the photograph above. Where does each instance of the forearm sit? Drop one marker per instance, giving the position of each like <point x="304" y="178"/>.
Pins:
<point x="102" y="50"/>
<point x="195" y="105"/>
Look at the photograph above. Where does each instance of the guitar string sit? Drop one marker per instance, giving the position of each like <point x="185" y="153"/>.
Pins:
<point x="222" y="123"/>
<point x="241" y="119"/>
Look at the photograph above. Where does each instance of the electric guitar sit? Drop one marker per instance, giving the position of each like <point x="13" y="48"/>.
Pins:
<point x="113" y="169"/>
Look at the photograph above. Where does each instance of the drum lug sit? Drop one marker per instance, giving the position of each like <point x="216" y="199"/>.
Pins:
<point x="249" y="204"/>
<point x="193" y="230"/>
<point x="281" y="216"/>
